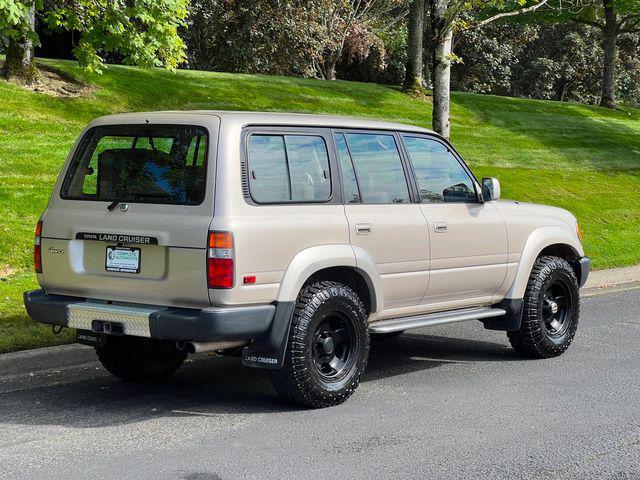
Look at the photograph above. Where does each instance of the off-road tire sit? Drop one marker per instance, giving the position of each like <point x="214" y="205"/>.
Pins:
<point x="300" y="380"/>
<point x="534" y="339"/>
<point x="139" y="359"/>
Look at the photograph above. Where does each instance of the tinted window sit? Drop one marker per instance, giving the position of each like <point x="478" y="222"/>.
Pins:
<point x="289" y="168"/>
<point x="440" y="176"/>
<point x="349" y="183"/>
<point x="378" y="168"/>
<point x="151" y="164"/>
<point x="309" y="168"/>
<point x="268" y="172"/>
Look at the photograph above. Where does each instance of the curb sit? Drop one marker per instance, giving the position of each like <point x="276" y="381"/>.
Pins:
<point x="613" y="277"/>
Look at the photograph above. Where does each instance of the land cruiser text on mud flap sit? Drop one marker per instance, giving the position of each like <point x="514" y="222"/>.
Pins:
<point x="290" y="239"/>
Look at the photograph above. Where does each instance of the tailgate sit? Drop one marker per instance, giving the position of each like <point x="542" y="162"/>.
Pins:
<point x="150" y="247"/>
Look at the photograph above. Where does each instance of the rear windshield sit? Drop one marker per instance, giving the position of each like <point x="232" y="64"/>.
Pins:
<point x="144" y="164"/>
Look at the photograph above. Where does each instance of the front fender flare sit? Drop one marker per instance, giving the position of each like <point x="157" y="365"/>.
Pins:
<point x="538" y="240"/>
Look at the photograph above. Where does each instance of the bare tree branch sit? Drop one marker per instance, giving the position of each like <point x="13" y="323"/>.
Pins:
<point x="513" y="13"/>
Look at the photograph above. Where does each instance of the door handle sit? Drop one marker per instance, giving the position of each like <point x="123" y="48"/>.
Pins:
<point x="440" y="227"/>
<point x="363" y="229"/>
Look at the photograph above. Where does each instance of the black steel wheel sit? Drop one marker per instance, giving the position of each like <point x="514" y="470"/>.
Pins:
<point x="328" y="347"/>
<point x="551" y="310"/>
<point x="333" y="346"/>
<point x="556" y="307"/>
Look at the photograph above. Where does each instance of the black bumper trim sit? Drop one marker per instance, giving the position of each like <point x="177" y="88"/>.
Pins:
<point x="583" y="268"/>
<point x="208" y="324"/>
<point x="48" y="309"/>
<point x="215" y="323"/>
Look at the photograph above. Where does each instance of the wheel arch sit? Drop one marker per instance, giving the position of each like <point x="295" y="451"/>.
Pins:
<point x="341" y="263"/>
<point x="556" y="241"/>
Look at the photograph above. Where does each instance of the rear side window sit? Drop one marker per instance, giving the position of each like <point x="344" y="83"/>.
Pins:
<point x="147" y="164"/>
<point x="288" y="168"/>
<point x="441" y="177"/>
<point x="378" y="168"/>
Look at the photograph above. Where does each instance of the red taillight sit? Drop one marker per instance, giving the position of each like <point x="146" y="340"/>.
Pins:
<point x="220" y="264"/>
<point x="37" y="249"/>
<point x="220" y="273"/>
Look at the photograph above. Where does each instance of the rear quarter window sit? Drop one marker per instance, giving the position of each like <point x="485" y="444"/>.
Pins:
<point x="288" y="168"/>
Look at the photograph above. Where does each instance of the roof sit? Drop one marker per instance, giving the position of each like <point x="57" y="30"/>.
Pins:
<point x="262" y="118"/>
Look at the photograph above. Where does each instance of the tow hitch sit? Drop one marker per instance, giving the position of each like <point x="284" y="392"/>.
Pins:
<point x="109" y="328"/>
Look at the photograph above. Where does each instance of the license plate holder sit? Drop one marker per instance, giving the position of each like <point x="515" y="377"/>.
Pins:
<point x="122" y="259"/>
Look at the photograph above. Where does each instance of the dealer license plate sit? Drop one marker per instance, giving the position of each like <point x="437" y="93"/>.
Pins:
<point x="122" y="259"/>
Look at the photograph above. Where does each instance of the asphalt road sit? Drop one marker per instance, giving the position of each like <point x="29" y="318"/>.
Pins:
<point x="446" y="402"/>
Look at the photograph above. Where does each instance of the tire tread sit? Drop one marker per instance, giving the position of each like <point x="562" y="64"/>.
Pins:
<point x="293" y="381"/>
<point x="530" y="340"/>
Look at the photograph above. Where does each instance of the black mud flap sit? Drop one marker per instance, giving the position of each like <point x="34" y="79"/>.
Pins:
<point x="511" y="321"/>
<point x="87" y="337"/>
<point x="268" y="350"/>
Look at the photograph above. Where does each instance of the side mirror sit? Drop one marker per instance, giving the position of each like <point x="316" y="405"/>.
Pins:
<point x="490" y="189"/>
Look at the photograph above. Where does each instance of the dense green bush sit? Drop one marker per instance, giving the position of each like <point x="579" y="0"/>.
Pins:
<point x="545" y="61"/>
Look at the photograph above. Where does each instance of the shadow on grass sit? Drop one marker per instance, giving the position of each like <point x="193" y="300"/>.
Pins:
<point x="87" y="397"/>
<point x="580" y="136"/>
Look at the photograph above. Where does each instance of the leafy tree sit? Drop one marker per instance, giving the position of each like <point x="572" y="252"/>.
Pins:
<point x="628" y="81"/>
<point x="144" y="32"/>
<point x="293" y="37"/>
<point x="613" y="18"/>
<point x="538" y="60"/>
<point x="259" y="36"/>
<point x="453" y="16"/>
<point x="341" y="19"/>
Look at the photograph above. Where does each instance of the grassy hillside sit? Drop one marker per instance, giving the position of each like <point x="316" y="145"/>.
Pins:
<point x="586" y="159"/>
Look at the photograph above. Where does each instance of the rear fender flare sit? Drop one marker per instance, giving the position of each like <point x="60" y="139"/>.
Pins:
<point x="268" y="352"/>
<point x="311" y="260"/>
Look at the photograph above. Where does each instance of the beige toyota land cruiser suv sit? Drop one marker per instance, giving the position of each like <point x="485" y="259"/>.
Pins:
<point x="290" y="240"/>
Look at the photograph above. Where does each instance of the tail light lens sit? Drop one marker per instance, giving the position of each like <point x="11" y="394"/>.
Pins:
<point x="220" y="260"/>
<point x="37" y="248"/>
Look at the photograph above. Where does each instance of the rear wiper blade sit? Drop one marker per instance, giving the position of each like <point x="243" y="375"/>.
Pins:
<point x="113" y="205"/>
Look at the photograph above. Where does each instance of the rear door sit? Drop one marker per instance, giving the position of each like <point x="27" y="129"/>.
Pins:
<point x="129" y="217"/>
<point x="383" y="221"/>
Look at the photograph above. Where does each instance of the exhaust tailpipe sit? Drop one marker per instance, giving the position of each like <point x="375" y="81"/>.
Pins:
<point x="200" y="347"/>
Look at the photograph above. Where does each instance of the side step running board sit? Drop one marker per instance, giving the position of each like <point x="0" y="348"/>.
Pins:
<point x="432" y="319"/>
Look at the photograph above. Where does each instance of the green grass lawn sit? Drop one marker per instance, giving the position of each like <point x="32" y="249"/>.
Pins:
<point x="585" y="159"/>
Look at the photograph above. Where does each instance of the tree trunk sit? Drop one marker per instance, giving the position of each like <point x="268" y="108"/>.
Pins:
<point x="413" y="77"/>
<point x="441" y="120"/>
<point x="442" y="42"/>
<point x="609" y="38"/>
<point x="329" y="65"/>
<point x="20" y="62"/>
<point x="563" y="88"/>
